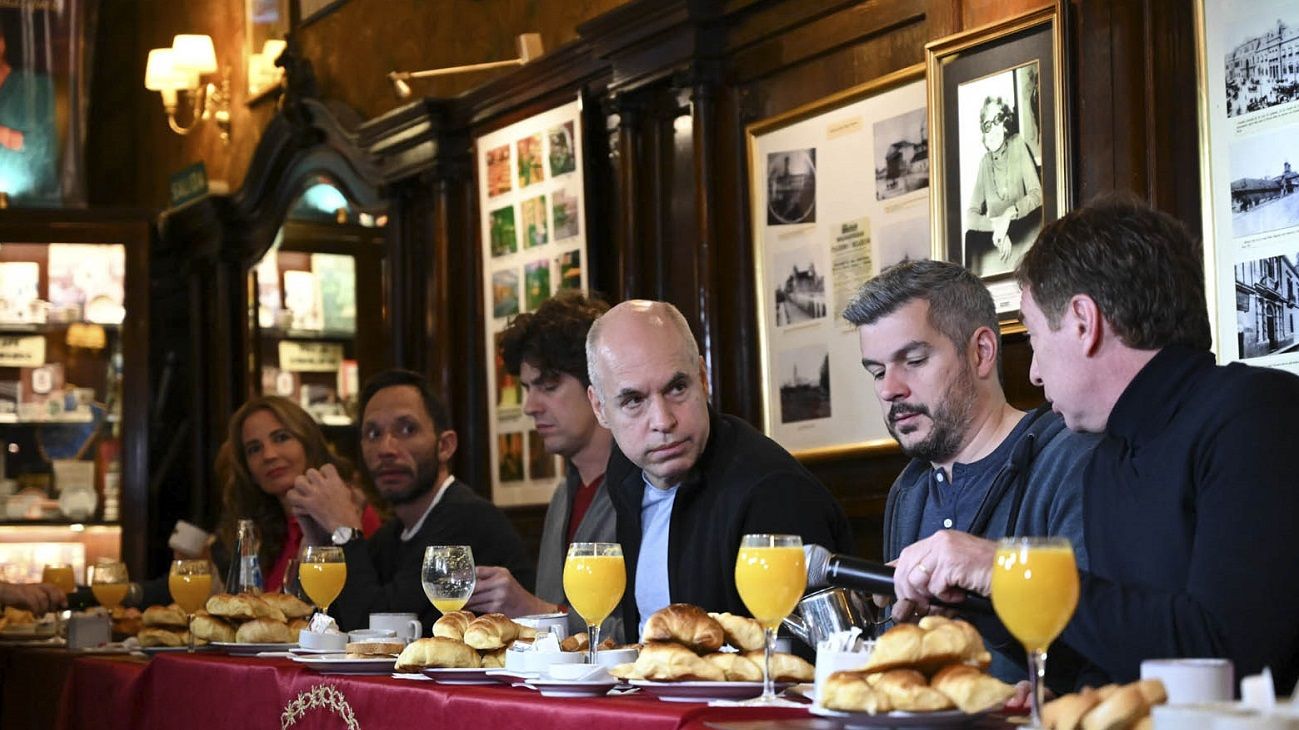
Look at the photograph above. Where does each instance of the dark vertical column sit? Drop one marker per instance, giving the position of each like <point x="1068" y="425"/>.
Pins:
<point x="704" y="100"/>
<point x="627" y="161"/>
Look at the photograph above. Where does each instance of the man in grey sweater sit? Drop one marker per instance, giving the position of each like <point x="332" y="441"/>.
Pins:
<point x="931" y="340"/>
<point x="546" y="350"/>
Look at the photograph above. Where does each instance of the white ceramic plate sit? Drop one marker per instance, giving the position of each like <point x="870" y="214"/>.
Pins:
<point x="703" y="691"/>
<point x="27" y="632"/>
<point x="563" y="688"/>
<point x="339" y="663"/>
<point x="304" y="651"/>
<point x="458" y="676"/>
<point x="944" y="718"/>
<point x="151" y="650"/>
<point x="250" y="649"/>
<point x="512" y="676"/>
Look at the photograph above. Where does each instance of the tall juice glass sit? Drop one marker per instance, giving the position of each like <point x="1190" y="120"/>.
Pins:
<point x="109" y="583"/>
<point x="322" y="571"/>
<point x="448" y="576"/>
<point x="60" y="576"/>
<point x="190" y="583"/>
<point x="771" y="575"/>
<point x="1035" y="592"/>
<point x="594" y="580"/>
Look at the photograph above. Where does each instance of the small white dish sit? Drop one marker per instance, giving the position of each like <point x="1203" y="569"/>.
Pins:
<point x="558" y="688"/>
<point x="458" y="675"/>
<point x="614" y="657"/>
<point x="327" y="642"/>
<point x="577" y="673"/>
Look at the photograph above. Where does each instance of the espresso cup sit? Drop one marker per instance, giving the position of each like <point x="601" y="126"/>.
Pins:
<point x="1192" y="681"/>
<point x="405" y="626"/>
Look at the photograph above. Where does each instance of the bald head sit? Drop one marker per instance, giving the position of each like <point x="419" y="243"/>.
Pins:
<point x="648" y="387"/>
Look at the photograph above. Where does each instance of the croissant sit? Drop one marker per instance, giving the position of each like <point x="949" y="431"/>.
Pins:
<point x="1066" y="713"/>
<point x="243" y="607"/>
<point x="576" y="642"/>
<point x="735" y="667"/>
<point x="741" y="632"/>
<point x="452" y="625"/>
<point x="673" y="662"/>
<point x="850" y="692"/>
<point x="264" y="631"/>
<point x="784" y="667"/>
<point x="159" y="636"/>
<point x="211" y="628"/>
<point x="437" y="651"/>
<point x="1121" y="709"/>
<point x="491" y="631"/>
<point x="298" y="624"/>
<point x="907" y="690"/>
<point x="164" y="616"/>
<point x="687" y="625"/>
<point x="971" y="690"/>
<point x="493" y="659"/>
<point x="290" y="606"/>
<point x="929" y="646"/>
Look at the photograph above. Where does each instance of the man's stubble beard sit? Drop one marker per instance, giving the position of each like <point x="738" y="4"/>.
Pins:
<point x="949" y="421"/>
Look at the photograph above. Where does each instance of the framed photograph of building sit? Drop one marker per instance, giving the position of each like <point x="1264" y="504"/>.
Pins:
<point x="1249" y="142"/>
<point x="999" y="158"/>
<point x="824" y="223"/>
<point x="532" y="245"/>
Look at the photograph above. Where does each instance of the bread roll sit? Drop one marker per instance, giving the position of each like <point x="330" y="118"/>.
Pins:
<point x="164" y="616"/>
<point x="735" y="667"/>
<point x="971" y="690"/>
<point x="491" y="631"/>
<point x="373" y="649"/>
<point x="243" y="607"/>
<point x="667" y="662"/>
<point x="291" y="606"/>
<point x="492" y="659"/>
<point x="127" y="621"/>
<point x="687" y="625"/>
<point x="928" y="646"/>
<point x="211" y="628"/>
<point x="1066" y="713"/>
<point x="907" y="690"/>
<point x="452" y="625"/>
<point x="264" y="631"/>
<point x="437" y="651"/>
<point x="741" y="632"/>
<point x="160" y="636"/>
<point x="784" y="667"/>
<point x="1118" y="711"/>
<point x="850" y="692"/>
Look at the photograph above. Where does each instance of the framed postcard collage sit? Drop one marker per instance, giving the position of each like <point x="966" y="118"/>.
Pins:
<point x="533" y="245"/>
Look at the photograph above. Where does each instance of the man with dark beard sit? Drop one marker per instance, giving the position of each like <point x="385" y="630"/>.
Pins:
<point x="930" y="339"/>
<point x="406" y="445"/>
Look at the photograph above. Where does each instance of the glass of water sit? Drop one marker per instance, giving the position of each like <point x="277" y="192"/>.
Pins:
<point x="448" y="576"/>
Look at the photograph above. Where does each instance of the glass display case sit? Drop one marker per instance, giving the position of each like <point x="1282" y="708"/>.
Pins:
<point x="73" y="389"/>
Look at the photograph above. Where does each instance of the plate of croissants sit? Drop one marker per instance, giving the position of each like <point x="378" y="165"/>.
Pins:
<point x="682" y="658"/>
<point x="237" y="624"/>
<point x="464" y="647"/>
<point x="930" y="674"/>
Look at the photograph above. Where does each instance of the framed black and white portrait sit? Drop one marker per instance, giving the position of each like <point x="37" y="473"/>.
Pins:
<point x="999" y="154"/>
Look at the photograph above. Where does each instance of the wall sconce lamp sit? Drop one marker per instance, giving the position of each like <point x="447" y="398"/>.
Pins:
<point x="528" y="45"/>
<point x="171" y="71"/>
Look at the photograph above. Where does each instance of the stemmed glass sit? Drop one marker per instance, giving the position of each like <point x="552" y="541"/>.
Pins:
<point x="190" y="583"/>
<point x="448" y="576"/>
<point x="109" y="583"/>
<point x="594" y="581"/>
<point x="322" y="571"/>
<point x="1034" y="592"/>
<point x="771" y="575"/>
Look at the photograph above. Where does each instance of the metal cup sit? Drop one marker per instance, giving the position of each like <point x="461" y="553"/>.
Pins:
<point x="830" y="610"/>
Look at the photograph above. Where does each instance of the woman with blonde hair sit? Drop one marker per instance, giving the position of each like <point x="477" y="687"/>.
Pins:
<point x="271" y="442"/>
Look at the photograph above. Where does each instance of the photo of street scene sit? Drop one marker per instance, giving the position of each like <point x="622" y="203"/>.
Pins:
<point x="791" y="187"/>
<point x="798" y="289"/>
<point x="901" y="154"/>
<point x="1267" y="306"/>
<point x="1263" y="183"/>
<point x="804" y="377"/>
<point x="1262" y="68"/>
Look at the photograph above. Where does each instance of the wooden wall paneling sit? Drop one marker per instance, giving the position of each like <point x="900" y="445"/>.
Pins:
<point x="1171" y="87"/>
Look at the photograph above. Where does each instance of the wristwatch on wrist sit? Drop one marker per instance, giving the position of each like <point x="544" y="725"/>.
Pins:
<point x="344" y="535"/>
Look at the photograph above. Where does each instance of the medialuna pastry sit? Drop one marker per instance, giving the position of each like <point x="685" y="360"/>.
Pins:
<point x="211" y="628"/>
<point x="437" y="651"/>
<point x="452" y="625"/>
<point x="291" y="606"/>
<point x="164" y="616"/>
<point x="928" y="646"/>
<point x="741" y="632"/>
<point x="264" y="631"/>
<point x="687" y="625"/>
<point x="850" y="692"/>
<point x="667" y="662"/>
<point x="736" y="667"/>
<point x="243" y="607"/>
<point x="971" y="690"/>
<point x="160" y="636"/>
<point x="491" y="631"/>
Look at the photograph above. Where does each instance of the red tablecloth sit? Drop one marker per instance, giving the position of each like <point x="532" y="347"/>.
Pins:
<point x="208" y="691"/>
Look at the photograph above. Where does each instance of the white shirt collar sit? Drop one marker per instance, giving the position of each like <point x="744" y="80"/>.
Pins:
<point x="409" y="532"/>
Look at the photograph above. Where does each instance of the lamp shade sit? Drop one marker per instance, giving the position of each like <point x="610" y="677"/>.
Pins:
<point x="161" y="73"/>
<point x="194" y="53"/>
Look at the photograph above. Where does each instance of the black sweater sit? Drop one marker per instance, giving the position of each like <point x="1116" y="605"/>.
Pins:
<point x="1190" y="513"/>
<point x="743" y="483"/>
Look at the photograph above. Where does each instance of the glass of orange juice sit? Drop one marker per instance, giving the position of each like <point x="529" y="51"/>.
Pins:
<point x="60" y="576"/>
<point x="190" y="583"/>
<point x="322" y="571"/>
<point x="770" y="575"/>
<point x="109" y="582"/>
<point x="594" y="581"/>
<point x="448" y="576"/>
<point x="1034" y="592"/>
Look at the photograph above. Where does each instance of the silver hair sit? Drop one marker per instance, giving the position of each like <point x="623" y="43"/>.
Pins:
<point x="645" y="307"/>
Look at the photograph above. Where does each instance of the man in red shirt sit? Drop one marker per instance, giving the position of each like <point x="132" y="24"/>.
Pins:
<point x="545" y="349"/>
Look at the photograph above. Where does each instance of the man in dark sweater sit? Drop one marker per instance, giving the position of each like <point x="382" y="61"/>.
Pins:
<point x="1189" y="503"/>
<point x="931" y="342"/>
<point x="407" y="444"/>
<point x="686" y="482"/>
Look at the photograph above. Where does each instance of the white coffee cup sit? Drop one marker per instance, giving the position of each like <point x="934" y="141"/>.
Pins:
<point x="405" y="626"/>
<point x="1192" y="681"/>
<point x="187" y="539"/>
